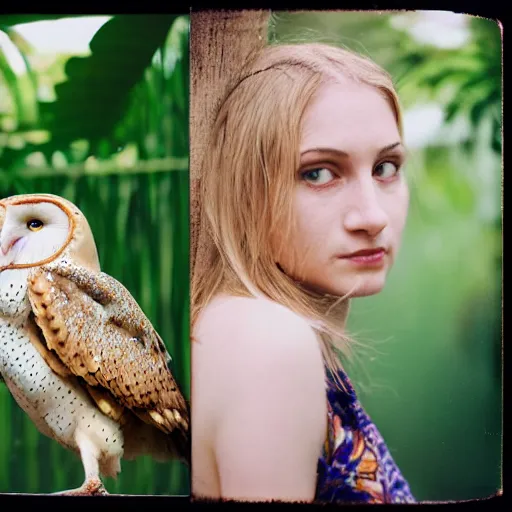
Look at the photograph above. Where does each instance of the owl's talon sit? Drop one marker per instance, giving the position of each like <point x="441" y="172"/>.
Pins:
<point x="91" y="487"/>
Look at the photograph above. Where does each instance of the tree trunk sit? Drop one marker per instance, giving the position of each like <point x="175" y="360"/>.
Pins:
<point x="221" y="42"/>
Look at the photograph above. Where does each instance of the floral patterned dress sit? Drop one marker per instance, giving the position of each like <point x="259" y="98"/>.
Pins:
<point x="356" y="465"/>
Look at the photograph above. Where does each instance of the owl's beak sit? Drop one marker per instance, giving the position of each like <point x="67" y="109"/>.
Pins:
<point x="7" y="243"/>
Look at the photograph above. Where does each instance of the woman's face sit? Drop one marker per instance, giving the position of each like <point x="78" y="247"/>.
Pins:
<point x="350" y="198"/>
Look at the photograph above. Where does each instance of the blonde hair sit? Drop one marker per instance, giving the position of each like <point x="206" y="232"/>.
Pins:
<point x="248" y="176"/>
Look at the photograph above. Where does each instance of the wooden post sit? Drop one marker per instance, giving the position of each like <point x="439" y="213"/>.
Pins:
<point x="220" y="43"/>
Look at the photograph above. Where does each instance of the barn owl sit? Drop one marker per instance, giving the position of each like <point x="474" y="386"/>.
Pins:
<point x="76" y="351"/>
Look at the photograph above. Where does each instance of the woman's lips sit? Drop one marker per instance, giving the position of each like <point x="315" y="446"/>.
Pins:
<point x="366" y="256"/>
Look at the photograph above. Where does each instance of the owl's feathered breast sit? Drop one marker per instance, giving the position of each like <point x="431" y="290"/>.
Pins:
<point x="14" y="303"/>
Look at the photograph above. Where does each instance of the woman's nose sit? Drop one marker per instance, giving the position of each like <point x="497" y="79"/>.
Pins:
<point x="366" y="212"/>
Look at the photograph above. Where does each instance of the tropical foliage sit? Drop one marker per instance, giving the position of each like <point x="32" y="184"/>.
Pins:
<point x="109" y="131"/>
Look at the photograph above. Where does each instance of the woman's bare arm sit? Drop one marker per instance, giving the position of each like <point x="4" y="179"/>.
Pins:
<point x="259" y="404"/>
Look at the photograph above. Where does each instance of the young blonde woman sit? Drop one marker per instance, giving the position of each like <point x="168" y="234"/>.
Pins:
<point x="304" y="201"/>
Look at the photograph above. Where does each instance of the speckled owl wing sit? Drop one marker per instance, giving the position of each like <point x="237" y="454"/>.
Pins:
<point x="100" y="334"/>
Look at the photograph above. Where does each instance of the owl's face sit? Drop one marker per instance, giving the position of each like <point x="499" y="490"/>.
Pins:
<point x="32" y="231"/>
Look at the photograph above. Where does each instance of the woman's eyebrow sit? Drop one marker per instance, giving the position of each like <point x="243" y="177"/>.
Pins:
<point x="344" y="154"/>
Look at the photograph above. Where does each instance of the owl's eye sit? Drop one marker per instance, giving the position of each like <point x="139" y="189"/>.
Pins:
<point x="35" y="225"/>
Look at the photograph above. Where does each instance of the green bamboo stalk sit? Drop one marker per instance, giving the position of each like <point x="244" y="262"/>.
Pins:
<point x="106" y="168"/>
<point x="12" y="83"/>
<point x="17" y="455"/>
<point x="31" y="470"/>
<point x="6" y="433"/>
<point x="44" y="460"/>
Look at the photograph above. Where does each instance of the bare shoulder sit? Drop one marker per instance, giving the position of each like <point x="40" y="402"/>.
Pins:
<point x="254" y="323"/>
<point x="258" y="374"/>
<point x="246" y="347"/>
<point x="245" y="343"/>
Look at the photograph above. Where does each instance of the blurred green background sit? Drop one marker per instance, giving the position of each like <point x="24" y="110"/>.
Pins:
<point x="95" y="109"/>
<point x="430" y="370"/>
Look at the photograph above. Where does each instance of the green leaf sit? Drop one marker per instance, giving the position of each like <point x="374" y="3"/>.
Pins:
<point x="93" y="99"/>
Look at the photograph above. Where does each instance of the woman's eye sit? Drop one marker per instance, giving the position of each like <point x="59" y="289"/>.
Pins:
<point x="386" y="170"/>
<point x="318" y="176"/>
<point x="34" y="224"/>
